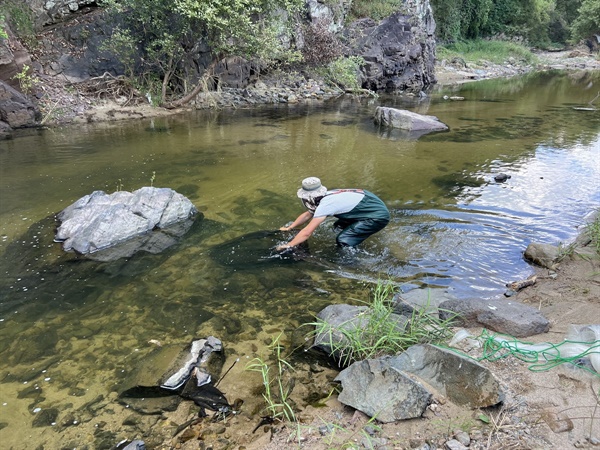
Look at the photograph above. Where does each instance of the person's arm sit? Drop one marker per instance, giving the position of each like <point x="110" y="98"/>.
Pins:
<point x="304" y="233"/>
<point x="302" y="218"/>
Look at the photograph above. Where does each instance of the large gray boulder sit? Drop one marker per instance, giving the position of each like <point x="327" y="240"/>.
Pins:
<point x="148" y="219"/>
<point x="401" y="387"/>
<point x="407" y="120"/>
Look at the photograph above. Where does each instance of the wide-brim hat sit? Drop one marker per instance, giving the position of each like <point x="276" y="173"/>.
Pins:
<point x="311" y="188"/>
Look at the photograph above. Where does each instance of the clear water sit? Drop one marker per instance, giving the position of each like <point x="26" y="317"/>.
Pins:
<point x="71" y="331"/>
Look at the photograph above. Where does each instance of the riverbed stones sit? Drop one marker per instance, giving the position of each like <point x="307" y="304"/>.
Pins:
<point x="500" y="315"/>
<point x="401" y="387"/>
<point x="149" y="219"/>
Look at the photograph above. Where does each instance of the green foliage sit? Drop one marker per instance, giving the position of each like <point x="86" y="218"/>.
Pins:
<point x="277" y="386"/>
<point x="21" y="19"/>
<point x="345" y="72"/>
<point x="375" y="9"/>
<point x="539" y="22"/>
<point x="27" y="79"/>
<point x="170" y="33"/>
<point x="380" y="332"/>
<point x="3" y="33"/>
<point x="587" y="21"/>
<point x="240" y="27"/>
<point x="477" y="50"/>
<point x="460" y="19"/>
<point x="123" y="44"/>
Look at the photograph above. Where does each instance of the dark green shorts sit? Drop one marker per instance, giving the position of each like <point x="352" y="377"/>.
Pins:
<point x="354" y="232"/>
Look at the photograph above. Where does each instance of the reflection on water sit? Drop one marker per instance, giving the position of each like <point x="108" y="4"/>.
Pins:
<point x="71" y="330"/>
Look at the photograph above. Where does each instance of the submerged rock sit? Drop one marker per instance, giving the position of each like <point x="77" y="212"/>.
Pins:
<point x="107" y="227"/>
<point x="407" y="120"/>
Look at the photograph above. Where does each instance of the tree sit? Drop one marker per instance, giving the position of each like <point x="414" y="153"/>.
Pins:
<point x="587" y="21"/>
<point x="170" y="32"/>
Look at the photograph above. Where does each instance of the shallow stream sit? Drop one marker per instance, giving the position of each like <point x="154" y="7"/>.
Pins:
<point x="72" y="330"/>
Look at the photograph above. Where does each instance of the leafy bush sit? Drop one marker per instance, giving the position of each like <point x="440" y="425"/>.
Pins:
<point x="587" y="21"/>
<point x="345" y="72"/>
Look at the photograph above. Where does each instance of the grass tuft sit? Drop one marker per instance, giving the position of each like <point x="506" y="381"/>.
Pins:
<point x="378" y="331"/>
<point x="497" y="52"/>
<point x="278" y="385"/>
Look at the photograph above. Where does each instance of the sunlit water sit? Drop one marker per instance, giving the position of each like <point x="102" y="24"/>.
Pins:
<point x="72" y="330"/>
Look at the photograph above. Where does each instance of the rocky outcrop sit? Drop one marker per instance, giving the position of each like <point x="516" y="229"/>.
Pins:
<point x="16" y="110"/>
<point x="107" y="227"/>
<point x="399" y="52"/>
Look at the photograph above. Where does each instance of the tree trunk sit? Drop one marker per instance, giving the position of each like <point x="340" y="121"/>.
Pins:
<point x="189" y="97"/>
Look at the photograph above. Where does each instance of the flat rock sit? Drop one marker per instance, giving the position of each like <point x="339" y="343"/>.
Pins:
<point x="500" y="315"/>
<point x="461" y="380"/>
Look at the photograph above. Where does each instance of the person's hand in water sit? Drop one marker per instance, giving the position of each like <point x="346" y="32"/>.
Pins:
<point x="283" y="247"/>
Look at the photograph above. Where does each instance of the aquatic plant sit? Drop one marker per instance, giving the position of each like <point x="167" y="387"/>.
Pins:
<point x="380" y="332"/>
<point x="278" y="385"/>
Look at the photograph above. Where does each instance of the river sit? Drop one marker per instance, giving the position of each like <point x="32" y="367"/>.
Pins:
<point x="71" y="330"/>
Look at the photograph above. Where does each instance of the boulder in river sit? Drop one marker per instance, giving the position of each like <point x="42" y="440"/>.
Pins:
<point x="407" y="120"/>
<point x="106" y="227"/>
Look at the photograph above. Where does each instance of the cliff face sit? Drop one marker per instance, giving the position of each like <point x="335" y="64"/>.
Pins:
<point x="399" y="51"/>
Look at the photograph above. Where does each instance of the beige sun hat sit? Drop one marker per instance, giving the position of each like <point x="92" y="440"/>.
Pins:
<point x="311" y="188"/>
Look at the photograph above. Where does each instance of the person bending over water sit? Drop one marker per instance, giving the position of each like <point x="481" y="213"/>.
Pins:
<point x="360" y="213"/>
